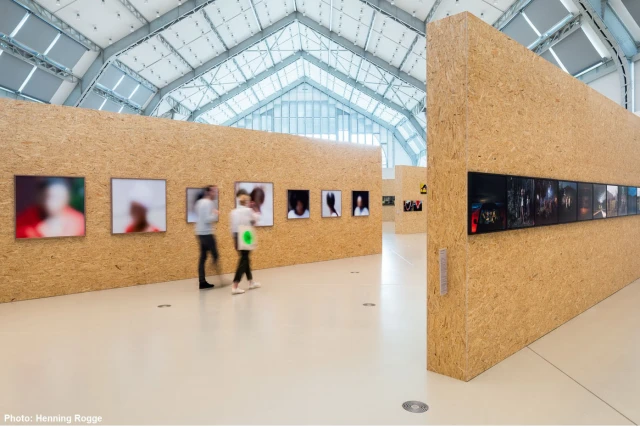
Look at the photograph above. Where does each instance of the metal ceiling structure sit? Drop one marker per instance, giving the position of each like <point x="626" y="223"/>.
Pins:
<point x="215" y="61"/>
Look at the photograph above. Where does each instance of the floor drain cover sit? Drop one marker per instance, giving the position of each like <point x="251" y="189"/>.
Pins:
<point x="164" y="306"/>
<point x="369" y="304"/>
<point x="415" y="407"/>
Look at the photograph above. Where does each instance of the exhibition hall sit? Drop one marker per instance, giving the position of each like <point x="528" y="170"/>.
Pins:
<point x="319" y="212"/>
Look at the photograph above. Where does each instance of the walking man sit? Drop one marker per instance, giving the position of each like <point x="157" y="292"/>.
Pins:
<point x="207" y="215"/>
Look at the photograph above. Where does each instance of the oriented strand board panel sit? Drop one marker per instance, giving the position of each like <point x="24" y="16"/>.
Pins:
<point x="49" y="140"/>
<point x="517" y="114"/>
<point x="388" y="189"/>
<point x="407" y="182"/>
<point x="446" y="201"/>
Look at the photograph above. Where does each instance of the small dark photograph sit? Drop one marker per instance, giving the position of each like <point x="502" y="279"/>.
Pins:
<point x="632" y="200"/>
<point x="487" y="203"/>
<point x="546" y="201"/>
<point x="638" y="200"/>
<point x="599" y="201"/>
<point x="568" y="198"/>
<point x="585" y="202"/>
<point x="520" y="212"/>
<point x="612" y="200"/>
<point x="622" y="200"/>
<point x="388" y="200"/>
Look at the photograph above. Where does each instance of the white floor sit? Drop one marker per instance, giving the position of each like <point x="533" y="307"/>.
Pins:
<point x="303" y="350"/>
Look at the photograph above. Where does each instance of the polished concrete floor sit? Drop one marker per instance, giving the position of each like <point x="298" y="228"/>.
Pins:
<point x="304" y="350"/>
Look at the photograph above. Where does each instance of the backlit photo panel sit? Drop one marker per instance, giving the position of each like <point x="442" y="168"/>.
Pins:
<point x="520" y="213"/>
<point x="585" y="201"/>
<point x="568" y="202"/>
<point x="622" y="200"/>
<point x="632" y="200"/>
<point x="599" y="201"/>
<point x="612" y="201"/>
<point x="487" y="205"/>
<point x="546" y="201"/>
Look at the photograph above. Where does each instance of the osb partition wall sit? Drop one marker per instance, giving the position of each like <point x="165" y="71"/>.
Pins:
<point x="408" y="180"/>
<point x="48" y="140"/>
<point x="494" y="106"/>
<point x="388" y="189"/>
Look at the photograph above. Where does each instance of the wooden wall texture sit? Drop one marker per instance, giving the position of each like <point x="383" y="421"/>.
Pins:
<point x="494" y="106"/>
<point x="388" y="189"/>
<point x="407" y="182"/>
<point x="49" y="140"/>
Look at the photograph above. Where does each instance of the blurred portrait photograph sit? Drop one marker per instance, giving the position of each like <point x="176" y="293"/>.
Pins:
<point x="331" y="204"/>
<point x="261" y="194"/>
<point x="193" y="195"/>
<point x="49" y="207"/>
<point x="360" y="203"/>
<point x="298" y="205"/>
<point x="138" y="205"/>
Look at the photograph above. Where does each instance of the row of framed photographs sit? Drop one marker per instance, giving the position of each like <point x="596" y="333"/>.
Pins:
<point x="503" y="202"/>
<point x="53" y="206"/>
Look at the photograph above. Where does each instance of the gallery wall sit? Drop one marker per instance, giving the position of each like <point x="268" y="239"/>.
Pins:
<point x="59" y="141"/>
<point x="408" y="181"/>
<point x="496" y="107"/>
<point x="388" y="189"/>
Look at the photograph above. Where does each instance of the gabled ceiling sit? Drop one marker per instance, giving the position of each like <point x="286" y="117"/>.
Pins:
<point x="207" y="60"/>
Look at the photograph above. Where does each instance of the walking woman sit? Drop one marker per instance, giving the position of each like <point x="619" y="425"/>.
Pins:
<point x="243" y="215"/>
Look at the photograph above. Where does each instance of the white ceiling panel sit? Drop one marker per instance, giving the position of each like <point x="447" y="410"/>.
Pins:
<point x="150" y="9"/>
<point x="489" y="10"/>
<point x="99" y="21"/>
<point x="271" y="11"/>
<point x="200" y="50"/>
<point x="145" y="55"/>
<point x="421" y="7"/>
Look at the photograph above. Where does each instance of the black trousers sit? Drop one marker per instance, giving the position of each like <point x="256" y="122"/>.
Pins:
<point x="207" y="244"/>
<point x="244" y="264"/>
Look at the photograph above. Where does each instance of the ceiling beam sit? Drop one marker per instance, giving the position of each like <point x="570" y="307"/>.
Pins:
<point x="131" y="8"/>
<point x="358" y="51"/>
<point x="617" y="53"/>
<point x="219" y="60"/>
<point x="513" y="11"/>
<point x="548" y="40"/>
<point x="62" y="26"/>
<point x="305" y="80"/>
<point x="244" y="86"/>
<point x="367" y="91"/>
<point x="255" y="14"/>
<point x="399" y="15"/>
<point x="433" y="11"/>
<point x="269" y="31"/>
<point x="14" y="48"/>
<point x="130" y="41"/>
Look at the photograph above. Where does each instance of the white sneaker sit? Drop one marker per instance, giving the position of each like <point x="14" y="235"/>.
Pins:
<point x="237" y="291"/>
<point x="254" y="285"/>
